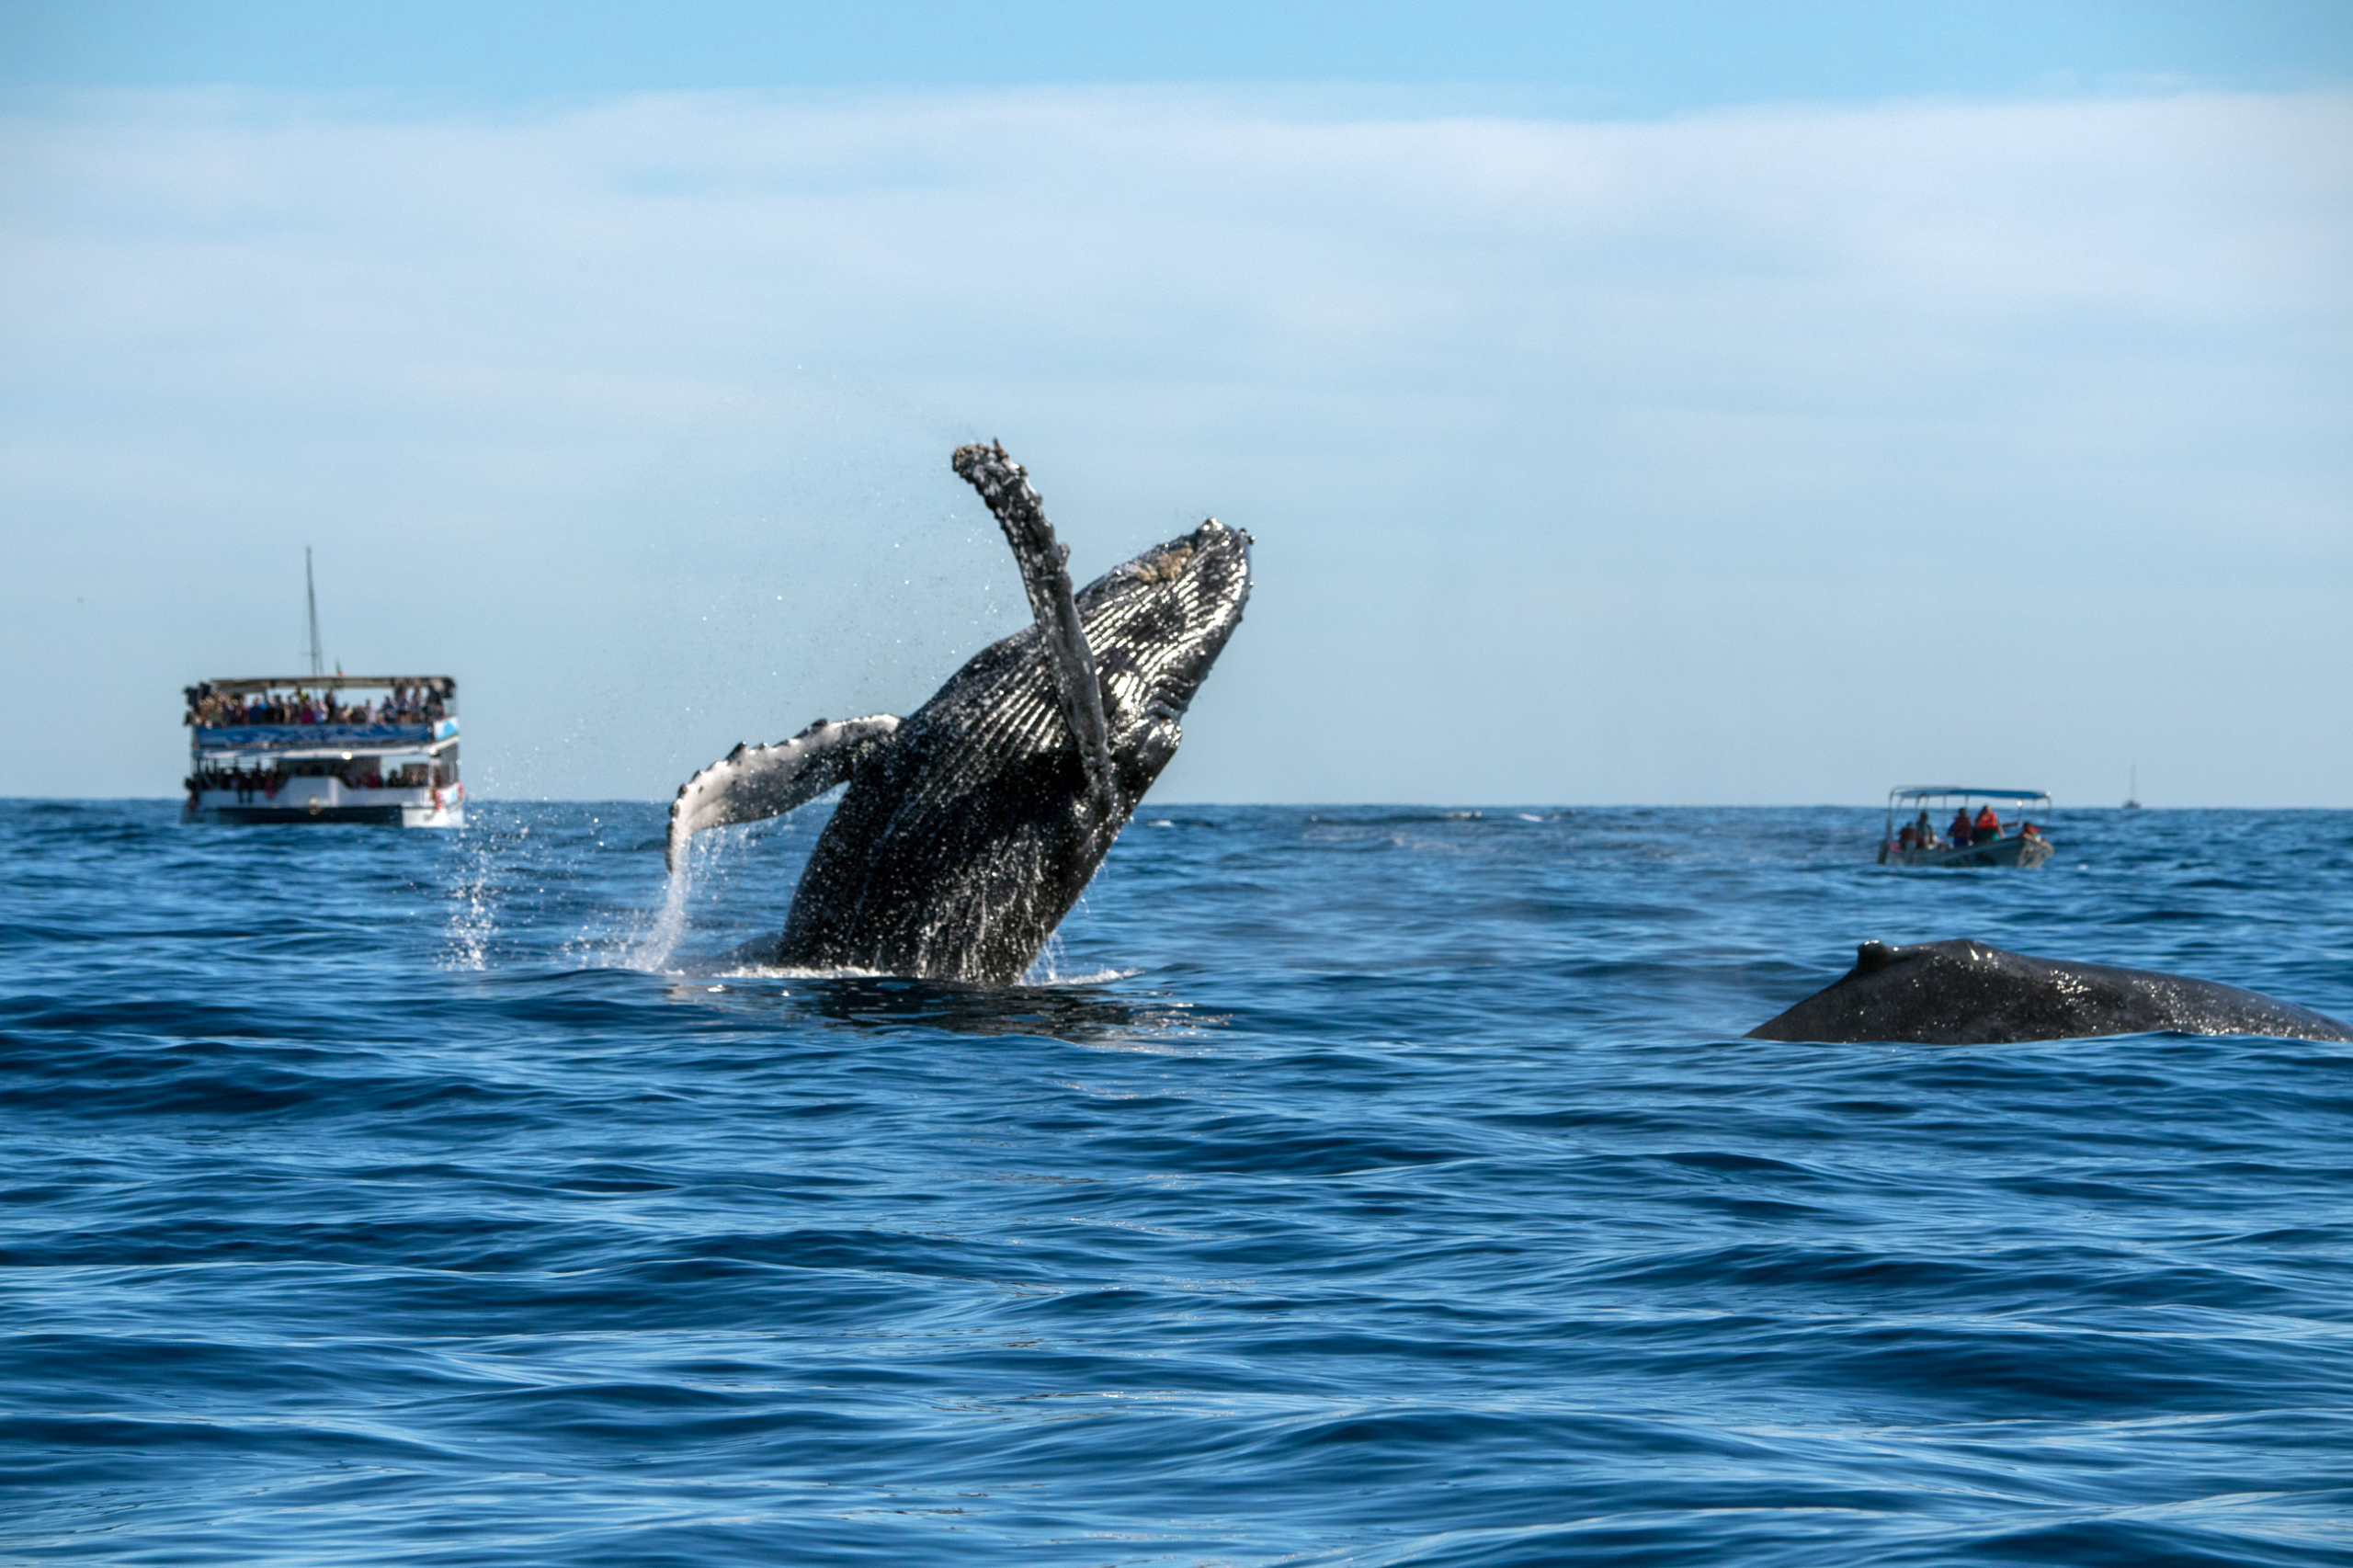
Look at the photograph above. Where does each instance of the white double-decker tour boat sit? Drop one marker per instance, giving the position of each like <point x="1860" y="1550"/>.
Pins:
<point x="326" y="748"/>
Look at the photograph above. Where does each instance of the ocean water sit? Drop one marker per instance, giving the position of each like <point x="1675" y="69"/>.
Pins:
<point x="1356" y="1186"/>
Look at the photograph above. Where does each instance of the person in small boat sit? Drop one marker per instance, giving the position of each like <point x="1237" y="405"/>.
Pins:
<point x="1909" y="839"/>
<point x="2028" y="830"/>
<point x="1959" y="831"/>
<point x="1987" y="828"/>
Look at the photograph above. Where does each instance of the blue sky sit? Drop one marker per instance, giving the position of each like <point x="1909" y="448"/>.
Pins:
<point x="1658" y="57"/>
<point x="1693" y="403"/>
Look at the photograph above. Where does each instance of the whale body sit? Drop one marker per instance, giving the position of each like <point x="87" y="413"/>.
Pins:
<point x="1965" y="993"/>
<point x="971" y="827"/>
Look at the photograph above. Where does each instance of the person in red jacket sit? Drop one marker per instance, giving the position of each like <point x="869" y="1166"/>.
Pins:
<point x="1988" y="826"/>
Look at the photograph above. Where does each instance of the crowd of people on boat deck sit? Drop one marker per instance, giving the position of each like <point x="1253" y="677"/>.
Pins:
<point x="1964" y="831"/>
<point x="209" y="709"/>
<point x="264" y="783"/>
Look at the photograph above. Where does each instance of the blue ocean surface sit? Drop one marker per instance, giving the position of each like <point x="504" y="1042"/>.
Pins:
<point x="1354" y="1186"/>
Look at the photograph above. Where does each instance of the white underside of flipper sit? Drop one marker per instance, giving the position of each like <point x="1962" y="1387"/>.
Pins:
<point x="750" y="783"/>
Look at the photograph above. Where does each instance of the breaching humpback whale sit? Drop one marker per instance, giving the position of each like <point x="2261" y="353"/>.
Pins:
<point x="970" y="827"/>
<point x="1964" y="993"/>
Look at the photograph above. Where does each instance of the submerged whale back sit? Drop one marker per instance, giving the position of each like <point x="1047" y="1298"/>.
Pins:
<point x="954" y="854"/>
<point x="1964" y="993"/>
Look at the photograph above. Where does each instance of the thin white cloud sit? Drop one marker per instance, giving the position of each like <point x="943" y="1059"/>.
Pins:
<point x="601" y="374"/>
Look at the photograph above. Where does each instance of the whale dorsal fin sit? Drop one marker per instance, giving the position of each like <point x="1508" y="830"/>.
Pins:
<point x="1004" y="485"/>
<point x="753" y="782"/>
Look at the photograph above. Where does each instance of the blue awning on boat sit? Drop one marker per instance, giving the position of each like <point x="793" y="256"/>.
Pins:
<point x="282" y="737"/>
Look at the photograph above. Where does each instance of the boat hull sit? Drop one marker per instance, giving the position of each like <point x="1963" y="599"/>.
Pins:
<point x="379" y="816"/>
<point x="2013" y="849"/>
<point x="328" y="800"/>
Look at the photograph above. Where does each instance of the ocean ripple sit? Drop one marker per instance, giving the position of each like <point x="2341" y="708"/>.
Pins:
<point x="1353" y="1186"/>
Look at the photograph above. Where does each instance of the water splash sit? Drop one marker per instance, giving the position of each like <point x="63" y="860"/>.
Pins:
<point x="474" y="908"/>
<point x="1046" y="968"/>
<point x="654" y="947"/>
<point x="661" y="941"/>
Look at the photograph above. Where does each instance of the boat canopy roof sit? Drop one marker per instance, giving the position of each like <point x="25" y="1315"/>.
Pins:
<point x="1929" y="791"/>
<point x="441" y="685"/>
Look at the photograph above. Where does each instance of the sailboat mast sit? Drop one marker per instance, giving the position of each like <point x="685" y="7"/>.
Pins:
<point x="311" y="593"/>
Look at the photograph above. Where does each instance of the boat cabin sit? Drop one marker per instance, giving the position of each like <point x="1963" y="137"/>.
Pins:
<point x="1985" y="827"/>
<point x="324" y="748"/>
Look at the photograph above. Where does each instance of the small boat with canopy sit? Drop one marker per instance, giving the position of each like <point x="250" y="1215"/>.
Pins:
<point x="1978" y="833"/>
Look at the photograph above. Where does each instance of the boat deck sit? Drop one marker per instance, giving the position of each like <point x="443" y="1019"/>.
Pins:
<point x="2011" y="849"/>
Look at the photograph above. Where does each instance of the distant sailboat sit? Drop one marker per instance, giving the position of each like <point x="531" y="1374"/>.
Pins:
<point x="2133" y="790"/>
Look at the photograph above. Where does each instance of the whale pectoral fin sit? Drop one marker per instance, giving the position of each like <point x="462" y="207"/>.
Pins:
<point x="1005" y="486"/>
<point x="753" y="782"/>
